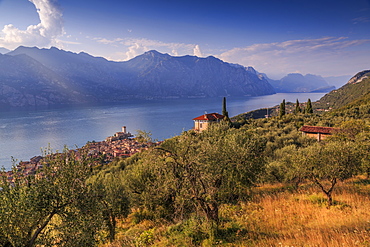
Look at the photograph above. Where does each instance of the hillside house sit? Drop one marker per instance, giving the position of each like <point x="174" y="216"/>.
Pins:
<point x="320" y="133"/>
<point x="202" y="122"/>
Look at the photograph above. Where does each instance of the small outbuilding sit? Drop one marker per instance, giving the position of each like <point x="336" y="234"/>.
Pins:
<point x="202" y="122"/>
<point x="320" y="133"/>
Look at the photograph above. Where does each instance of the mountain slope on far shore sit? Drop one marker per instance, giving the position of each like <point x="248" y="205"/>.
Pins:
<point x="295" y="83"/>
<point x="150" y="75"/>
<point x="26" y="82"/>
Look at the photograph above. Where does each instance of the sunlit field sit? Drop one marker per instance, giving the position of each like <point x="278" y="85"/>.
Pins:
<point x="276" y="215"/>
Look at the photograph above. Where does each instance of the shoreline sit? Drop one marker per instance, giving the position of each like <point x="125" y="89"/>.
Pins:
<point x="112" y="147"/>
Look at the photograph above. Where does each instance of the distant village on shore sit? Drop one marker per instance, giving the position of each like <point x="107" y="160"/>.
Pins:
<point x="121" y="144"/>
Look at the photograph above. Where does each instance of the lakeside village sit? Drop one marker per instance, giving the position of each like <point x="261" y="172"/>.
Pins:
<point x="121" y="144"/>
<point x="124" y="144"/>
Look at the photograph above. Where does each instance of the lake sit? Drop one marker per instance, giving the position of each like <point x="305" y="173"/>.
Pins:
<point x="25" y="132"/>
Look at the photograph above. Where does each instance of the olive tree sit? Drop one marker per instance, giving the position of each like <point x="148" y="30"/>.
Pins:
<point x="113" y="203"/>
<point x="52" y="207"/>
<point x="196" y="172"/>
<point x="327" y="163"/>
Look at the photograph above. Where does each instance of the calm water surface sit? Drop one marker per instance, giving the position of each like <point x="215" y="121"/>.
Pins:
<point x="25" y="132"/>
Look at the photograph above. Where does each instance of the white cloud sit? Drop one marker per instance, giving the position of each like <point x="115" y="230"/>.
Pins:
<point x="174" y="53"/>
<point x="362" y="19"/>
<point x="107" y="41"/>
<point x="197" y="52"/>
<point x="325" y="56"/>
<point x="135" y="50"/>
<point x="43" y="34"/>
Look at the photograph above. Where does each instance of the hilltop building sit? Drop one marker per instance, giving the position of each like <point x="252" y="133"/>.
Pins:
<point x="119" y="135"/>
<point x="202" y="122"/>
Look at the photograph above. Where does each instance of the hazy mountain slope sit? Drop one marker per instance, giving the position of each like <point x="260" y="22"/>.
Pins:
<point x="91" y="76"/>
<point x="338" y="81"/>
<point x="150" y="75"/>
<point x="26" y="82"/>
<point x="3" y="50"/>
<point x="295" y="82"/>
<point x="163" y="75"/>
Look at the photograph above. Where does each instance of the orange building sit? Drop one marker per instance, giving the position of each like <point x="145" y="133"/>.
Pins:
<point x="320" y="133"/>
<point x="202" y="122"/>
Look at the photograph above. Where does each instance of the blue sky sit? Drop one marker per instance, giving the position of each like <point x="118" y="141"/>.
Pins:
<point x="276" y="37"/>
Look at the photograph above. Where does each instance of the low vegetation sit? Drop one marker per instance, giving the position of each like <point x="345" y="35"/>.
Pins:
<point x="253" y="182"/>
<point x="274" y="215"/>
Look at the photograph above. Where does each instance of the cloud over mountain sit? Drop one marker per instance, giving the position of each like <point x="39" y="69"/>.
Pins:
<point x="135" y="50"/>
<point x="197" y="51"/>
<point x="138" y="46"/>
<point x="44" y="33"/>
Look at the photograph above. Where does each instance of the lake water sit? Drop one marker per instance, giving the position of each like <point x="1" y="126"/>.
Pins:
<point x="24" y="132"/>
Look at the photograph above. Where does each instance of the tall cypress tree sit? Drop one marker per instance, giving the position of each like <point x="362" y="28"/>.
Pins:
<point x="224" y="111"/>
<point x="297" y="108"/>
<point x="282" y="108"/>
<point x="309" y="109"/>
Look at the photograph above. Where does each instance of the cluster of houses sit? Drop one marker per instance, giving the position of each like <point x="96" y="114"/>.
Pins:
<point x="121" y="144"/>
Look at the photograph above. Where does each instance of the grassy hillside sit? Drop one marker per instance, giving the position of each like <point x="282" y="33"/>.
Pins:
<point x="344" y="95"/>
<point x="276" y="215"/>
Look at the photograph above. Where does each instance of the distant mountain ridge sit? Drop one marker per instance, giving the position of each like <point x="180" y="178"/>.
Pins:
<point x="298" y="83"/>
<point x="3" y="50"/>
<point x="61" y="77"/>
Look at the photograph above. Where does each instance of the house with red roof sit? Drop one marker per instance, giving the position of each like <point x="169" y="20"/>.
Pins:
<point x="202" y="122"/>
<point x="320" y="133"/>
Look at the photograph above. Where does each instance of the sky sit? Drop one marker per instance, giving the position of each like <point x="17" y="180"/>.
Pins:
<point x="276" y="37"/>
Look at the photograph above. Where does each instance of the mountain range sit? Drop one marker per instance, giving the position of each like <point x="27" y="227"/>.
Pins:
<point x="295" y="82"/>
<point x="33" y="76"/>
<point x="3" y="50"/>
<point x="30" y="76"/>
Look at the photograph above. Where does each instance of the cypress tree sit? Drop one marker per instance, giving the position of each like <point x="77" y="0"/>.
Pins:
<point x="282" y="108"/>
<point x="309" y="109"/>
<point x="224" y="111"/>
<point x="297" y="108"/>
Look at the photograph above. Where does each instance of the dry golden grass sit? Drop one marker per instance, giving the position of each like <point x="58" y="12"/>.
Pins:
<point x="301" y="218"/>
<point x="276" y="216"/>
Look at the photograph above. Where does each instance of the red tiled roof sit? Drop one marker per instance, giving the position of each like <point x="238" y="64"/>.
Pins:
<point x="210" y="117"/>
<point x="318" y="129"/>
